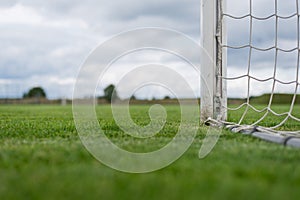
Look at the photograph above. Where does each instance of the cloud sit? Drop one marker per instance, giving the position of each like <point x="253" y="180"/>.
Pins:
<point x="45" y="42"/>
<point x="52" y="38"/>
<point x="37" y="46"/>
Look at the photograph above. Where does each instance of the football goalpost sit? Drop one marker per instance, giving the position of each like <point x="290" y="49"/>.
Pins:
<point x="253" y="84"/>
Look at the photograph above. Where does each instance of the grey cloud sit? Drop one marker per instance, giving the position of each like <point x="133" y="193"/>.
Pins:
<point x="71" y="29"/>
<point x="29" y="51"/>
<point x="173" y="9"/>
<point x="263" y="35"/>
<point x="59" y="44"/>
<point x="7" y="3"/>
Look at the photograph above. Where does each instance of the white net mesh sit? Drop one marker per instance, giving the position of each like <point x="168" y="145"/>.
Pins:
<point x="263" y="57"/>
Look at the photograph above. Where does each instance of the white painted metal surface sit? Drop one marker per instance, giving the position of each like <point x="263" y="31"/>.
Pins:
<point x="213" y="87"/>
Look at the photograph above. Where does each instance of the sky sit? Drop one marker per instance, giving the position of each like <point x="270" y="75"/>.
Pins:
<point x="45" y="43"/>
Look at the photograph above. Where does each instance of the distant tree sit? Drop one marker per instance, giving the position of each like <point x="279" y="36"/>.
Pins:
<point x="132" y="97"/>
<point x="167" y="97"/>
<point x="108" y="93"/>
<point x="36" y="92"/>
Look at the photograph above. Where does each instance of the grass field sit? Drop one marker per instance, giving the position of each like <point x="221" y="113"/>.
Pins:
<point x="41" y="157"/>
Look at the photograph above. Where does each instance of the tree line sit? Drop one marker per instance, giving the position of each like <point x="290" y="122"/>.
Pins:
<point x="110" y="94"/>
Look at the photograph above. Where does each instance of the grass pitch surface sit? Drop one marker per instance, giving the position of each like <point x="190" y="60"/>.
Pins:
<point x="41" y="157"/>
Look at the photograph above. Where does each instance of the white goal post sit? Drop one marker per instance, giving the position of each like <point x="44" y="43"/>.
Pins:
<point x="270" y="51"/>
<point x="213" y="87"/>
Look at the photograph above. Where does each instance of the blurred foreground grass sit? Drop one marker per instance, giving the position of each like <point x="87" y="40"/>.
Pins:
<point x="41" y="157"/>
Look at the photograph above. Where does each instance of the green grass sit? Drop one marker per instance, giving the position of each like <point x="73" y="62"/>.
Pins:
<point x="277" y="99"/>
<point x="41" y="157"/>
<point x="270" y="119"/>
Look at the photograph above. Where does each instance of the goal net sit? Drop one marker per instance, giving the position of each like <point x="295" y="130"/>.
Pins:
<point x="253" y="84"/>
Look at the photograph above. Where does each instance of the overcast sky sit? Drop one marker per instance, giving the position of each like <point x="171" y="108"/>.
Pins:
<point x="44" y="43"/>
